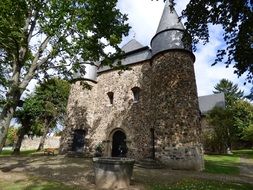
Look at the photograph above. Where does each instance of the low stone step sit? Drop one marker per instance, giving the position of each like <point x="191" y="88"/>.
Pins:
<point x="77" y="154"/>
<point x="149" y="164"/>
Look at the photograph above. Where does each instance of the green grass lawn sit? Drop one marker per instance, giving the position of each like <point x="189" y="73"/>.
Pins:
<point x="226" y="164"/>
<point x="22" y="153"/>
<point x="247" y="153"/>
<point x="217" y="164"/>
<point x="222" y="164"/>
<point x="33" y="184"/>
<point x="193" y="184"/>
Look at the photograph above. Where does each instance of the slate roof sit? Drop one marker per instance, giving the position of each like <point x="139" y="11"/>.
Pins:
<point x="132" y="45"/>
<point x="135" y="53"/>
<point x="169" y="33"/>
<point x="169" y="19"/>
<point x="207" y="103"/>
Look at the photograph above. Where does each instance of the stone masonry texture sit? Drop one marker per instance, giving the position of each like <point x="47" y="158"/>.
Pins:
<point x="168" y="104"/>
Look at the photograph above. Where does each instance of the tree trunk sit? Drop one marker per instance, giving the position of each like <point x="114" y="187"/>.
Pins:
<point x="43" y="138"/>
<point x="5" y="120"/>
<point x="6" y="116"/>
<point x="21" y="135"/>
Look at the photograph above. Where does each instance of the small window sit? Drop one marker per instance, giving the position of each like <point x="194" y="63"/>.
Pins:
<point x="110" y="96"/>
<point x="136" y="93"/>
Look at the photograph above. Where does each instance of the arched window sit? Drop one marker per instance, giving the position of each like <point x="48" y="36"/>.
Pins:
<point x="136" y="93"/>
<point x="110" y="96"/>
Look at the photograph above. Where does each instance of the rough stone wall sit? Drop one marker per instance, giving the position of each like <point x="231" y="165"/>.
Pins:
<point x="176" y="111"/>
<point x="80" y="115"/>
<point x="168" y="103"/>
<point x="31" y="144"/>
<point x="124" y="113"/>
<point x="91" y="110"/>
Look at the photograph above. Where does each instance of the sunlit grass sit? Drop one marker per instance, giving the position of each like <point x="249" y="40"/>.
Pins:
<point x="226" y="164"/>
<point x="222" y="164"/>
<point x="22" y="153"/>
<point x="247" y="153"/>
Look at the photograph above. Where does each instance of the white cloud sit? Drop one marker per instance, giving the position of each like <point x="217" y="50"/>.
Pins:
<point x="144" y="16"/>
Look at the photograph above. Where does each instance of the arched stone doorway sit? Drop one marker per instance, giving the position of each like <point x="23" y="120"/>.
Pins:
<point x="78" y="140"/>
<point x="119" y="147"/>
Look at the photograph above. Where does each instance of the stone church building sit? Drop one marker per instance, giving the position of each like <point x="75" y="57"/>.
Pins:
<point x="148" y="111"/>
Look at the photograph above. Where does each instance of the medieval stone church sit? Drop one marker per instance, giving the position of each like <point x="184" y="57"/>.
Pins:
<point x="148" y="111"/>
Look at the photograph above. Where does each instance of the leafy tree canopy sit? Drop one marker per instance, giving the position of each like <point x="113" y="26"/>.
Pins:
<point x="230" y="90"/>
<point x="11" y="136"/>
<point x="235" y="17"/>
<point x="222" y="133"/>
<point x="243" y="119"/>
<point x="231" y="125"/>
<point x="49" y="101"/>
<point x="44" y="38"/>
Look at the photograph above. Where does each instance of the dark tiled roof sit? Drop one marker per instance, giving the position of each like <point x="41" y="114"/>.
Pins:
<point x="132" y="45"/>
<point x="207" y="103"/>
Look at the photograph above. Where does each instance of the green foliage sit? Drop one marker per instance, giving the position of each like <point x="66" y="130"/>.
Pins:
<point x="230" y="90"/>
<point x="248" y="133"/>
<point x="61" y="30"/>
<point x="219" y="138"/>
<point x="229" y="125"/>
<point x="222" y="164"/>
<point x="235" y="17"/>
<point x="52" y="96"/>
<point x="243" y="119"/>
<point x="11" y="136"/>
<point x="42" y="39"/>
<point x="48" y="102"/>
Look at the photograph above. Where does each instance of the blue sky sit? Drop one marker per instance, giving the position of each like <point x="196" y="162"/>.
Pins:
<point x="144" y="16"/>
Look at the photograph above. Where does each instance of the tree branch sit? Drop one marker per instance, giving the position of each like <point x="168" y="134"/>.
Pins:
<point x="33" y="24"/>
<point x="35" y="64"/>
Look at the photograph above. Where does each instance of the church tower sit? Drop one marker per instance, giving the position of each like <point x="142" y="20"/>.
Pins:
<point x="174" y="99"/>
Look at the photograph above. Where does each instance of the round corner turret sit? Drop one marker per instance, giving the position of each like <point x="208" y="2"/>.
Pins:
<point x="87" y="71"/>
<point x="170" y="33"/>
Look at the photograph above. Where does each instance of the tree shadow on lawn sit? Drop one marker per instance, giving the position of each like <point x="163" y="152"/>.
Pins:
<point x="74" y="171"/>
<point x="78" y="172"/>
<point x="63" y="169"/>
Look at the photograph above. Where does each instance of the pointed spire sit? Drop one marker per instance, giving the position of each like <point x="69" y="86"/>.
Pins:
<point x="170" y="32"/>
<point x="169" y="19"/>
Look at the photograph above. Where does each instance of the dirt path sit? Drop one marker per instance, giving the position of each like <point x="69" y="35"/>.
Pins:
<point x="246" y="167"/>
<point x="77" y="171"/>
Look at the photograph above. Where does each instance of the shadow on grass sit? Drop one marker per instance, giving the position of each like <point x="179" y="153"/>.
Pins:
<point x="34" y="184"/>
<point x="192" y="184"/>
<point x="69" y="171"/>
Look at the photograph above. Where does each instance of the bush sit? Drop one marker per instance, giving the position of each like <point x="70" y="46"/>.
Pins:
<point x="11" y="136"/>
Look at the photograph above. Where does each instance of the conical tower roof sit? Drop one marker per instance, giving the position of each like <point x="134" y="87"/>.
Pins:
<point x="169" y="33"/>
<point x="169" y="19"/>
